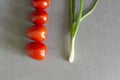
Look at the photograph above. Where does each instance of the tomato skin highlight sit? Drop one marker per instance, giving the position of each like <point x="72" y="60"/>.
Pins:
<point x="40" y="4"/>
<point x="39" y="17"/>
<point x="37" y="32"/>
<point x="36" y="50"/>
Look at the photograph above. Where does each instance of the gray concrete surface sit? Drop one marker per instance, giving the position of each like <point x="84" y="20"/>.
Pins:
<point x="97" y="45"/>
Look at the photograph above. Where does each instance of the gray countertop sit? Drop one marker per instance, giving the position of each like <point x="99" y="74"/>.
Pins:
<point x="97" y="49"/>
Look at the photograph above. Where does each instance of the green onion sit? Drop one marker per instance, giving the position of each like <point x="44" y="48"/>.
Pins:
<point x="74" y="25"/>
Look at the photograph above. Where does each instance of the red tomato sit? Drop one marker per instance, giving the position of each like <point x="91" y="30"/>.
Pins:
<point x="40" y="4"/>
<point x="36" y="50"/>
<point x="37" y="33"/>
<point x="39" y="17"/>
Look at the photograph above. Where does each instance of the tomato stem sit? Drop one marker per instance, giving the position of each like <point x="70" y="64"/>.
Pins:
<point x="75" y="25"/>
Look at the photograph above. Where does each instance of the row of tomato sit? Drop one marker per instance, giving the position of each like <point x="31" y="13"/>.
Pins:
<point x="37" y="32"/>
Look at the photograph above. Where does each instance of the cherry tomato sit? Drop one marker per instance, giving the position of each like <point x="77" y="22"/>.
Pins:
<point x="39" y="17"/>
<point x="36" y="50"/>
<point x="37" y="32"/>
<point x="40" y="4"/>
